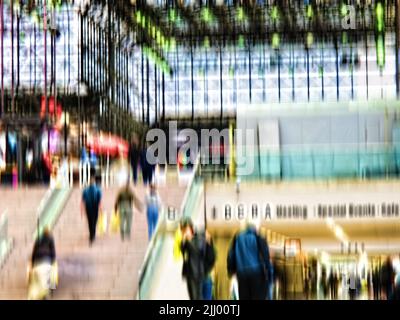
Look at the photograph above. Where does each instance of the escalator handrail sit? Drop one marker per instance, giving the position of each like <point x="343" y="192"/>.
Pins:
<point x="158" y="238"/>
<point x="5" y="241"/>
<point x="60" y="195"/>
<point x="189" y="190"/>
<point x="151" y="246"/>
<point x="3" y="226"/>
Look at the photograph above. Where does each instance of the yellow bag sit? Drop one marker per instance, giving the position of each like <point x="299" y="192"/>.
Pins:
<point x="177" y="245"/>
<point x="102" y="223"/>
<point x="115" y="222"/>
<point x="54" y="276"/>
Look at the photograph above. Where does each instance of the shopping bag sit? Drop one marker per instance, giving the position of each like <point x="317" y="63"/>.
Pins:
<point x="115" y="222"/>
<point x="54" y="276"/>
<point x="177" y="245"/>
<point x="102" y="224"/>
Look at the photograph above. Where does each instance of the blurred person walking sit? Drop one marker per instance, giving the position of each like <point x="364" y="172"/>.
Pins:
<point x="154" y="205"/>
<point x="91" y="204"/>
<point x="134" y="157"/>
<point x="376" y="284"/>
<point x="324" y="283"/>
<point x="42" y="270"/>
<point x="387" y="278"/>
<point x="147" y="168"/>
<point x="44" y="248"/>
<point x="209" y="264"/>
<point x="249" y="260"/>
<point x="126" y="198"/>
<point x="198" y="260"/>
<point x="333" y="284"/>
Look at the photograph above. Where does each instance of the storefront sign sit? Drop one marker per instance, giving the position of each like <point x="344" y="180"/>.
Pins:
<point x="318" y="211"/>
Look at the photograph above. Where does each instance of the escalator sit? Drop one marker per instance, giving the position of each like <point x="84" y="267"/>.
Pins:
<point x="51" y="208"/>
<point x="24" y="226"/>
<point x="161" y="276"/>
<point x="160" y="270"/>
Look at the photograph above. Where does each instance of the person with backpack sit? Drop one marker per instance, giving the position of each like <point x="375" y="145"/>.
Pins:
<point x="198" y="260"/>
<point x="249" y="260"/>
<point x="91" y="204"/>
<point x="126" y="198"/>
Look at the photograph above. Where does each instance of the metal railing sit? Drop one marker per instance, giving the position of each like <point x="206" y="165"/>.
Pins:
<point x="52" y="204"/>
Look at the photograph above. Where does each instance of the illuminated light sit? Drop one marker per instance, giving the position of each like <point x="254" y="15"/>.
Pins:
<point x="343" y="10"/>
<point x="241" y="42"/>
<point x="206" y="42"/>
<point x="65" y="118"/>
<point x="158" y="37"/>
<point x="310" y="12"/>
<point x="330" y="222"/>
<point x="275" y="41"/>
<point x="172" y="15"/>
<point x="380" y="17"/>
<point x="274" y="13"/>
<point x="12" y="140"/>
<point x="166" y="45"/>
<point x="320" y="71"/>
<point x="380" y="51"/>
<point x="35" y="17"/>
<point x="206" y="15"/>
<point x="138" y="17"/>
<point x="240" y="14"/>
<point x="339" y="233"/>
<point x="325" y="257"/>
<point x="17" y="6"/>
<point x="345" y="38"/>
<point x="310" y="39"/>
<point x="172" y="43"/>
<point x="143" y="22"/>
<point x="231" y="72"/>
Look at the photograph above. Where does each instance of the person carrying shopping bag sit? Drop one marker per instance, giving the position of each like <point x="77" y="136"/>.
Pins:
<point x="126" y="198"/>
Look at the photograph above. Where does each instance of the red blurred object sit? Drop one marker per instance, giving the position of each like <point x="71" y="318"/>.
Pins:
<point x="52" y="111"/>
<point x="47" y="162"/>
<point x="108" y="144"/>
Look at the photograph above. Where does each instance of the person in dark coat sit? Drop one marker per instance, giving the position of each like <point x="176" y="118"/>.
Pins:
<point x="198" y="260"/>
<point x="44" y="248"/>
<point x="91" y="204"/>
<point x="134" y="157"/>
<point x="249" y="259"/>
<point x="376" y="284"/>
<point x="147" y="168"/>
<point x="387" y="278"/>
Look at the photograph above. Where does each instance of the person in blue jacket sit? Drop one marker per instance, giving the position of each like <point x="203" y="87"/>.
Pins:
<point x="249" y="260"/>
